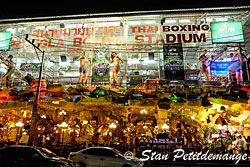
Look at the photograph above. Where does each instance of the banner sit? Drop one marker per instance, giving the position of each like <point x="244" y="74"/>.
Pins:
<point x="100" y="65"/>
<point x="225" y="66"/>
<point x="223" y="32"/>
<point x="30" y="67"/>
<point x="5" y="38"/>
<point x="173" y="61"/>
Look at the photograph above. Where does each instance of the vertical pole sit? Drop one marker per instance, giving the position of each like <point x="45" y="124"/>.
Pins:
<point x="33" y="129"/>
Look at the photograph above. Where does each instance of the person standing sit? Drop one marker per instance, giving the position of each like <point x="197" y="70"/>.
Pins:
<point x="117" y="61"/>
<point x="206" y="144"/>
<point x="10" y="64"/>
<point x="203" y="61"/>
<point x="239" y="56"/>
<point x="83" y="68"/>
<point x="240" y="144"/>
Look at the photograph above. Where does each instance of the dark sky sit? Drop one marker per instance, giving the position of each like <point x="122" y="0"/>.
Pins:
<point x="55" y="8"/>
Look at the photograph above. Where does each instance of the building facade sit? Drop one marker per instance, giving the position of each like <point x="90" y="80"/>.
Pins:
<point x="150" y="43"/>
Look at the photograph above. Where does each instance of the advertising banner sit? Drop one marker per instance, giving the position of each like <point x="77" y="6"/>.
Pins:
<point x="225" y="66"/>
<point x="30" y="67"/>
<point x="173" y="61"/>
<point x="100" y="65"/>
<point x="224" y="32"/>
<point x="5" y="38"/>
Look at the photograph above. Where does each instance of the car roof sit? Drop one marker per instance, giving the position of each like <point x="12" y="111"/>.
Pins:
<point x="97" y="147"/>
<point x="24" y="146"/>
<point x="100" y="147"/>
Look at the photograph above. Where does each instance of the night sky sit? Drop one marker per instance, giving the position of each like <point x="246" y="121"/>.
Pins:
<point x="56" y="8"/>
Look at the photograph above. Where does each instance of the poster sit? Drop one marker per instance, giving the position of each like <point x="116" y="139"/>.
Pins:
<point x="5" y="38"/>
<point x="224" y="32"/>
<point x="173" y="61"/>
<point x="225" y="66"/>
<point x="100" y="65"/>
<point x="30" y="67"/>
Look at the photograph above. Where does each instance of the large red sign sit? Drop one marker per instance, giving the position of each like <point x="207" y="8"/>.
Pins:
<point x="144" y="37"/>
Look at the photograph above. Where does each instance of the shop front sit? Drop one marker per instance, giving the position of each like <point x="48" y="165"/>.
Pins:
<point x="170" y="78"/>
<point x="146" y="44"/>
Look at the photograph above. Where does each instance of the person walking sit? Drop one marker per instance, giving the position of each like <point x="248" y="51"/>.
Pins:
<point x="240" y="144"/>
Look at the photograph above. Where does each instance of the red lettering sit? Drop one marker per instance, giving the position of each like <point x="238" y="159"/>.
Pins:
<point x="16" y="44"/>
<point x="79" y="50"/>
<point x="50" y="45"/>
<point x="131" y="47"/>
<point x="43" y="43"/>
<point x="35" y="33"/>
<point x="77" y="42"/>
<point x="58" y="32"/>
<point x="84" y="41"/>
<point x="142" y="29"/>
<point x="183" y="27"/>
<point x="139" y="47"/>
<point x="60" y="42"/>
<point x="189" y="39"/>
<point x="170" y="38"/>
<point x="139" y="38"/>
<point x="156" y="28"/>
<point x="202" y="37"/>
<point x="179" y="38"/>
<point x="148" y="47"/>
<point x="133" y="29"/>
<point x="71" y="50"/>
<point x="175" y="28"/>
<point x="44" y="34"/>
<point x="196" y="27"/>
<point x="150" y="38"/>
<point x="205" y="27"/>
<point x="90" y="33"/>
<point x="165" y="28"/>
<point x="159" y="38"/>
<point x="66" y="33"/>
<point x="150" y="29"/>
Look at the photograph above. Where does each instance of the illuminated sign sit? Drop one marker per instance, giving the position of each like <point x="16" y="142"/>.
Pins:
<point x="224" y="32"/>
<point x="5" y="38"/>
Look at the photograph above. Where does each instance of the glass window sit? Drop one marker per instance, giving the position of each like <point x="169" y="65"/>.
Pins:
<point x="106" y="152"/>
<point x="91" y="151"/>
<point x="47" y="153"/>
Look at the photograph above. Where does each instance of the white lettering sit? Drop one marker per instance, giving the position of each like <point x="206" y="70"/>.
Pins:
<point x="180" y="153"/>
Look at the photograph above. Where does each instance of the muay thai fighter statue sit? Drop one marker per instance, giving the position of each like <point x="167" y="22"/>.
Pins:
<point x="239" y="56"/>
<point x="83" y="68"/>
<point x="117" y="61"/>
<point x="204" y="60"/>
<point x="10" y="64"/>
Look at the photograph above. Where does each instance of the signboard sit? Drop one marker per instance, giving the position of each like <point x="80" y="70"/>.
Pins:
<point x="100" y="65"/>
<point x="225" y="66"/>
<point x="5" y="38"/>
<point x="221" y="73"/>
<point x="30" y="67"/>
<point x="85" y="38"/>
<point x="173" y="61"/>
<point x="224" y="32"/>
